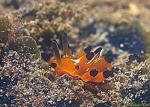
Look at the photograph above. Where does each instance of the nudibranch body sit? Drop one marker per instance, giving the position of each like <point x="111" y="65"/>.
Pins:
<point x="88" y="65"/>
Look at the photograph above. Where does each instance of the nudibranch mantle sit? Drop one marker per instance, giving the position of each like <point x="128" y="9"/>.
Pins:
<point x="87" y="65"/>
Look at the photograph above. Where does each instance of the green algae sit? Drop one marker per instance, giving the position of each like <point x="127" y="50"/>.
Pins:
<point x="28" y="41"/>
<point x="5" y="28"/>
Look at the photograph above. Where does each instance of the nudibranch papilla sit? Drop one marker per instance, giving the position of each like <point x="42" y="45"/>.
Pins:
<point x="88" y="65"/>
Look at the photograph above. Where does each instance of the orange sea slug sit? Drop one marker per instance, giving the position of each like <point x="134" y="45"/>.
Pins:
<point x="88" y="65"/>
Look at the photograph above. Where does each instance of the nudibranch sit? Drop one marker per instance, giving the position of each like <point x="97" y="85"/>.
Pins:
<point x="88" y="65"/>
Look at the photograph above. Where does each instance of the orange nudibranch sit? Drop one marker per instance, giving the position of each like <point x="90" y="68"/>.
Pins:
<point x="88" y="65"/>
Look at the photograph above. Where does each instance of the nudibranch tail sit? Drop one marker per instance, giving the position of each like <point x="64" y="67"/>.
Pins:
<point x="95" y="67"/>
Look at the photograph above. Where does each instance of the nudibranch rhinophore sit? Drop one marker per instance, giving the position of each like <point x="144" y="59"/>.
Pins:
<point x="88" y="65"/>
